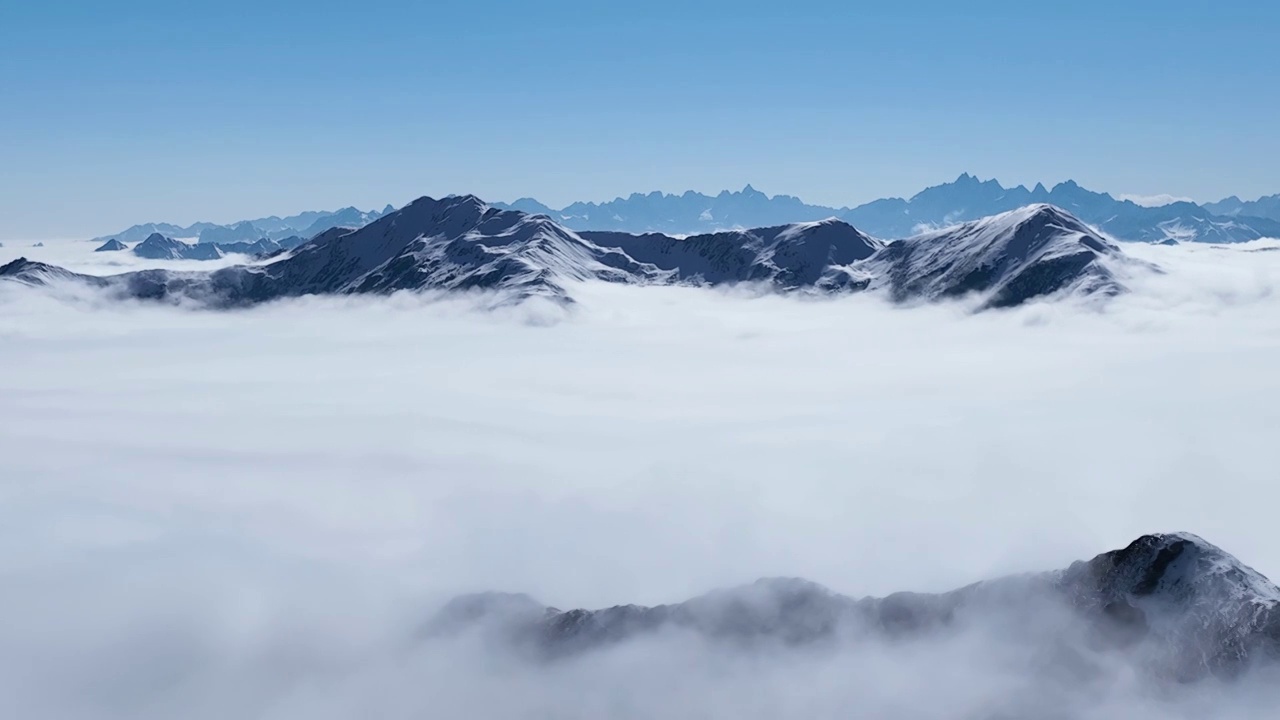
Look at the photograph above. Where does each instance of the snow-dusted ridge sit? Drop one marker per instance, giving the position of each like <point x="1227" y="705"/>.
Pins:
<point x="1008" y="258"/>
<point x="460" y="243"/>
<point x="1184" y="607"/>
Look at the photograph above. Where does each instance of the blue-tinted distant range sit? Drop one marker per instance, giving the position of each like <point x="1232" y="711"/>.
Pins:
<point x="306" y="224"/>
<point x="967" y="198"/>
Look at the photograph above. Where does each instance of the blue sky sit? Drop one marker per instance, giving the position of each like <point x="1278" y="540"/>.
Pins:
<point x="132" y="111"/>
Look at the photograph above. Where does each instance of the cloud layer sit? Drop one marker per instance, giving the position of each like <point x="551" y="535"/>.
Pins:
<point x="246" y="513"/>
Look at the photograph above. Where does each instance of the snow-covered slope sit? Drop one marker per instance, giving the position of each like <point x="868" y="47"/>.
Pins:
<point x="1200" y="608"/>
<point x="1008" y="259"/>
<point x="460" y="243"/>
<point x="1183" y="607"/>
<point x="789" y="256"/>
<point x="456" y="243"/>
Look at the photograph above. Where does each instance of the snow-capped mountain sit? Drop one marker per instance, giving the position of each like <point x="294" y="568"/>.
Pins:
<point x="689" y="212"/>
<point x="1008" y="259"/>
<point x="460" y="243"/>
<point x="456" y="243"/>
<point x="1185" y="608"/>
<point x="1200" y="608"/>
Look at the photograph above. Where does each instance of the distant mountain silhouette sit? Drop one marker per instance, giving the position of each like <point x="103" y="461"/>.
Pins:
<point x="690" y="212"/>
<point x="1264" y="207"/>
<point x="967" y="198"/>
<point x="307" y="224"/>
<point x="111" y="246"/>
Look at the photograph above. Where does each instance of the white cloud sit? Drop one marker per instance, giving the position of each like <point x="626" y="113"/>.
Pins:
<point x="1155" y="200"/>
<point x="243" y="514"/>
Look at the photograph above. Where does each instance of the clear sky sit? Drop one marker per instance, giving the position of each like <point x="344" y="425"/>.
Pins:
<point x="113" y="113"/>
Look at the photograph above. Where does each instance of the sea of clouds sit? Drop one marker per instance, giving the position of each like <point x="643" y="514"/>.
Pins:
<point x="247" y="514"/>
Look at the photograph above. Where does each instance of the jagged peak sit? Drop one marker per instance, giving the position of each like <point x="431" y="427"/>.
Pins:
<point x="1183" y="564"/>
<point x="18" y="265"/>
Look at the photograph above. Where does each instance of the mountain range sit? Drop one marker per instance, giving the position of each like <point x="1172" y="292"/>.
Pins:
<point x="1266" y="207"/>
<point x="967" y="198"/>
<point x="306" y="224"/>
<point x="690" y="212"/>
<point x="459" y="243"/>
<point x="160" y="247"/>
<point x="1181" y="607"/>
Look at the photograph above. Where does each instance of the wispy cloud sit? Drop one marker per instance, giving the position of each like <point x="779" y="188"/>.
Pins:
<point x="1155" y="200"/>
<point x="245" y="514"/>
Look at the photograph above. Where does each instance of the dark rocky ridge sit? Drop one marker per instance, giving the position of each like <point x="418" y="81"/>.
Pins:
<point x="1181" y="606"/>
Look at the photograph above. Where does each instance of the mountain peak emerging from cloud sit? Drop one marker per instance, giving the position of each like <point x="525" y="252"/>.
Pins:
<point x="460" y="243"/>
<point x="1188" y="607"/>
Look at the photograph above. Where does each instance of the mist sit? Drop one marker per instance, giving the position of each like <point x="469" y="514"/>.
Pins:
<point x="247" y="514"/>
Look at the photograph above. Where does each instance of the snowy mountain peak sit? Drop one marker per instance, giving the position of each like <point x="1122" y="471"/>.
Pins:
<point x="1181" y="566"/>
<point x="1201" y="609"/>
<point x="1008" y="259"/>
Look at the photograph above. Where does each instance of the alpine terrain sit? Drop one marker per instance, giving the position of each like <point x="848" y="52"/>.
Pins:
<point x="459" y="243"/>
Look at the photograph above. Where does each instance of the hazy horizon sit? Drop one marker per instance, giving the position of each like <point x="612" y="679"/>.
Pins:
<point x="132" y="114"/>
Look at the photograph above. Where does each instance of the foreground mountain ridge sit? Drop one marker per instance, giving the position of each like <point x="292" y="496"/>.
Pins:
<point x="459" y="243"/>
<point x="1185" y="607"/>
